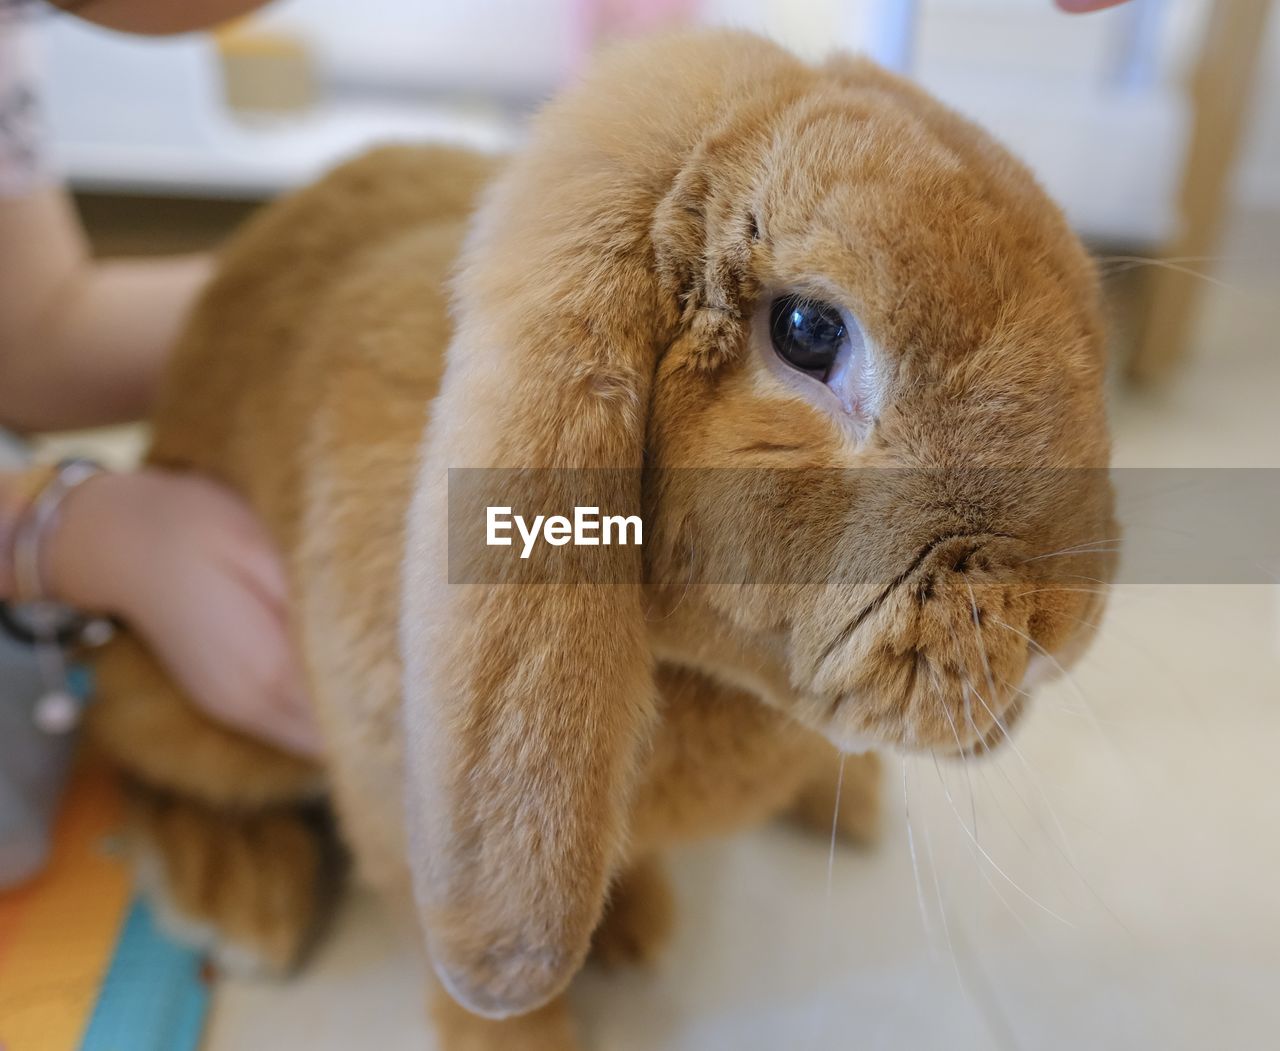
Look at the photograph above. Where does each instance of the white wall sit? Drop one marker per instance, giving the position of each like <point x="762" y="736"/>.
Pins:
<point x="1033" y="75"/>
<point x="999" y="36"/>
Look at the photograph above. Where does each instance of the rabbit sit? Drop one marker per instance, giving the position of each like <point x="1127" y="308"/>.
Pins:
<point x="710" y="257"/>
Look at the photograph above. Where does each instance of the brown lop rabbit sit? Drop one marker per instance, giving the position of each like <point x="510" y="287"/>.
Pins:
<point x="709" y="256"/>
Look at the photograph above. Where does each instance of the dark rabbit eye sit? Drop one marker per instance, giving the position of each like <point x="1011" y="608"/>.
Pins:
<point x="806" y="333"/>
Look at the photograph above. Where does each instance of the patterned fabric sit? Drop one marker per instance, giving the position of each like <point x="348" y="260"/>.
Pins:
<point x="24" y="162"/>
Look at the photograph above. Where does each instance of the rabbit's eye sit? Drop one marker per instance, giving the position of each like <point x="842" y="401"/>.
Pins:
<point x="806" y="334"/>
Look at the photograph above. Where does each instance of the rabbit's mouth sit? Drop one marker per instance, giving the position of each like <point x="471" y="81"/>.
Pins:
<point x="944" y="658"/>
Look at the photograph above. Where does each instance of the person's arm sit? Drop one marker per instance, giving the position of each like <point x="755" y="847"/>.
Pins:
<point x="1078" y="7"/>
<point x="183" y="560"/>
<point x="81" y="343"/>
<point x="157" y="17"/>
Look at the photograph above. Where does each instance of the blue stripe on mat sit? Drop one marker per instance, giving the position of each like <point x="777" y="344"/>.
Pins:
<point x="154" y="997"/>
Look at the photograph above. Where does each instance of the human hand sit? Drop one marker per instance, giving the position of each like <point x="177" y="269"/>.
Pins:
<point x="186" y="564"/>
<point x="1078" y="7"/>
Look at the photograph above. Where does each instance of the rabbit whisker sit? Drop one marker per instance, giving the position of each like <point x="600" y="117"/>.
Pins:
<point x="1073" y="552"/>
<point x="946" y="791"/>
<point x="1106" y="584"/>
<point x="942" y="909"/>
<point x="1065" y="841"/>
<point x="915" y="860"/>
<point x="982" y="642"/>
<point x="1100" y="542"/>
<point x="964" y="760"/>
<point x="995" y="797"/>
<point x="1065" y="709"/>
<point x="1061" y="843"/>
<point x="983" y="999"/>
<point x="1067" y="677"/>
<point x="835" y="820"/>
<point x="1140" y="259"/>
<point x="1170" y="264"/>
<point x="986" y="1006"/>
<point x="1079" y="591"/>
<point x="982" y="871"/>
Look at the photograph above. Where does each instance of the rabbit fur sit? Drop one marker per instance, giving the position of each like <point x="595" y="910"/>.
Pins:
<point x="513" y="757"/>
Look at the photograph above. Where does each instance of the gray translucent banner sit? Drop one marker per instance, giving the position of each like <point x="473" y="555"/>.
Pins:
<point x="764" y="526"/>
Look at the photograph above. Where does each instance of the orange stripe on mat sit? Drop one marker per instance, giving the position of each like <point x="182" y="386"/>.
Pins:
<point x="58" y="933"/>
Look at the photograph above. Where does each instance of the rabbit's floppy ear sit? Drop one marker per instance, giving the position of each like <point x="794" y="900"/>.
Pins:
<point x="527" y="706"/>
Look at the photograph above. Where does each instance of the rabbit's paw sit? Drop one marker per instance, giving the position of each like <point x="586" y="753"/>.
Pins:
<point x="857" y="815"/>
<point x="251" y="889"/>
<point x="638" y="917"/>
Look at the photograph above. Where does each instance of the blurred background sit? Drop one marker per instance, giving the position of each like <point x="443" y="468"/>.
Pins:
<point x="1109" y="882"/>
<point x="1146" y="122"/>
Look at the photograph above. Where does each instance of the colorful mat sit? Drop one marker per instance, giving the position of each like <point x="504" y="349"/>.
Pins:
<point x="82" y="965"/>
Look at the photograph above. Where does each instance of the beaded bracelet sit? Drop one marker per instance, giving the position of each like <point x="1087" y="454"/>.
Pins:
<point x="19" y="497"/>
<point x="33" y="617"/>
<point x="39" y="518"/>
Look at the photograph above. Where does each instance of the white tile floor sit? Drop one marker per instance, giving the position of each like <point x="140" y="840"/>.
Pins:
<point x="1119" y="889"/>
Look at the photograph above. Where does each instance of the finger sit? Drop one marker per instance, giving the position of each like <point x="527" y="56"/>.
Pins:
<point x="260" y="568"/>
<point x="241" y="543"/>
<point x="288" y="718"/>
<point x="293" y="729"/>
<point x="234" y="658"/>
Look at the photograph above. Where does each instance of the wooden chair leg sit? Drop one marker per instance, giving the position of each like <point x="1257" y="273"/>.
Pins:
<point x="1221" y="91"/>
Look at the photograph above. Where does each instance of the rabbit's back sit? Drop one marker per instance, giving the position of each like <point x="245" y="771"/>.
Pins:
<point x="304" y="380"/>
<point x="339" y="284"/>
